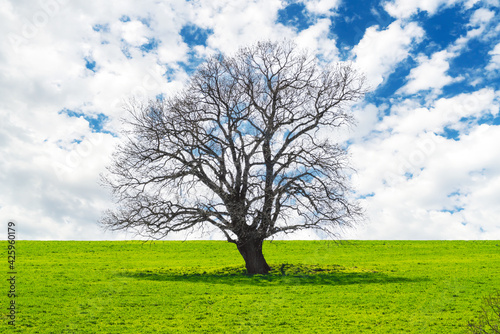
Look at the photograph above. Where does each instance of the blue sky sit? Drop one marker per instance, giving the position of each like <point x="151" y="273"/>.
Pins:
<point x="425" y="147"/>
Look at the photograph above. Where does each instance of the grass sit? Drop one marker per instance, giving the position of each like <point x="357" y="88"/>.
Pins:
<point x="200" y="287"/>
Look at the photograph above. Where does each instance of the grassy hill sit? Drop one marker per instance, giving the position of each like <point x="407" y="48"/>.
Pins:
<point x="199" y="287"/>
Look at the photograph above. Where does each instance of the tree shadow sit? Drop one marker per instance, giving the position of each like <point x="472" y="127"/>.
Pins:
<point x="283" y="274"/>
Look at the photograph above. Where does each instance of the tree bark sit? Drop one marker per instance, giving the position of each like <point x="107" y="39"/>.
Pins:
<point x="251" y="250"/>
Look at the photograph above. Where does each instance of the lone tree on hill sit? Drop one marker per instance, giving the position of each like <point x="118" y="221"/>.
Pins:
<point x="243" y="147"/>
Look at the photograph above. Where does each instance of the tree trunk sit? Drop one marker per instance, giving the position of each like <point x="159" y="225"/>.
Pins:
<point x="251" y="250"/>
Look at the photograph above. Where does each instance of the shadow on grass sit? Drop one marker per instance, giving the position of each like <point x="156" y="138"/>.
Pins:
<point x="282" y="274"/>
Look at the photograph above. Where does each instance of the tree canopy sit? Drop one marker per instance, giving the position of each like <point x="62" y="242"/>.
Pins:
<point x="244" y="148"/>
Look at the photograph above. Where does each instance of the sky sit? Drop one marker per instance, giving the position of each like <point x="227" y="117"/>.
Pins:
<point x="425" y="148"/>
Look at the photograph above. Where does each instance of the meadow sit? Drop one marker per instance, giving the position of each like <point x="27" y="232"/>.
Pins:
<point x="200" y="287"/>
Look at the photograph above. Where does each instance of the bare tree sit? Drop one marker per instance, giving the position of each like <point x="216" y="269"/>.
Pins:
<point x="489" y="320"/>
<point x="242" y="148"/>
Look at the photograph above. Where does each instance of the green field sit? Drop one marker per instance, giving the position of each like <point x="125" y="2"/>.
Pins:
<point x="199" y="287"/>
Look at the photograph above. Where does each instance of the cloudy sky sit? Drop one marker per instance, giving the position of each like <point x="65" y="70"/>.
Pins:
<point x="426" y="147"/>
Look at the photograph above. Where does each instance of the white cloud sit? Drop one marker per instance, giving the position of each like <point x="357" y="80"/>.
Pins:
<point x="481" y="16"/>
<point x="48" y="183"/>
<point x="404" y="8"/>
<point x="315" y="38"/>
<point x="324" y="7"/>
<point x="439" y="187"/>
<point x="134" y="32"/>
<point x="495" y="58"/>
<point x="366" y="118"/>
<point x="477" y="25"/>
<point x="380" y="51"/>
<point x="413" y="119"/>
<point x="430" y="73"/>
<point x="236" y="23"/>
<point x="50" y="161"/>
